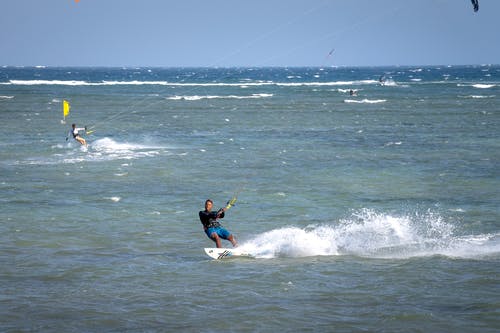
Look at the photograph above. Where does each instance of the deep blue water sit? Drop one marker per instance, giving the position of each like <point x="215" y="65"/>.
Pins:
<point x="376" y="211"/>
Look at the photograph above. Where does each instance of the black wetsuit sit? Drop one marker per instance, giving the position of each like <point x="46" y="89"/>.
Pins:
<point x="209" y="219"/>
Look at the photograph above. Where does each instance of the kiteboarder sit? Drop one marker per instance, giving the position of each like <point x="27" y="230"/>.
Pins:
<point x="213" y="229"/>
<point x="381" y="80"/>
<point x="75" y="132"/>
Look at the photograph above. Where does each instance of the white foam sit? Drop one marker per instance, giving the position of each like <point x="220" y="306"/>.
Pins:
<point x="80" y="83"/>
<point x="331" y="83"/>
<point x="478" y="96"/>
<point x="365" y="101"/>
<point x="198" y="97"/>
<point x="45" y="82"/>
<point x="114" y="199"/>
<point x="483" y="86"/>
<point x="104" y="149"/>
<point x="185" y="84"/>
<point x="107" y="148"/>
<point x="112" y="145"/>
<point x="291" y="242"/>
<point x="389" y="83"/>
<point x="391" y="143"/>
<point x="370" y="234"/>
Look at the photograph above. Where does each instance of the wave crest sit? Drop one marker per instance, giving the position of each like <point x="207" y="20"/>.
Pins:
<point x="365" y="101"/>
<point x="198" y="97"/>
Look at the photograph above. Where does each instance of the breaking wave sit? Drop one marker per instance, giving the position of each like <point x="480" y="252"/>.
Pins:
<point x="185" y="84"/>
<point x="197" y="97"/>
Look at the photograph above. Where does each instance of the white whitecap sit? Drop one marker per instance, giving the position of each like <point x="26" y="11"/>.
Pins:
<point x="483" y="86"/>
<point x="365" y="101"/>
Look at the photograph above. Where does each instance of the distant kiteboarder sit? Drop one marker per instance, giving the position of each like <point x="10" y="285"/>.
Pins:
<point x="75" y="132"/>
<point x="475" y="4"/>
<point x="381" y="80"/>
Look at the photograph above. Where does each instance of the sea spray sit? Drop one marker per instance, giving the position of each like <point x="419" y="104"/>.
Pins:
<point x="367" y="233"/>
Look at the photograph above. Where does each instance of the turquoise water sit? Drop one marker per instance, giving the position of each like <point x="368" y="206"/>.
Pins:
<point x="373" y="212"/>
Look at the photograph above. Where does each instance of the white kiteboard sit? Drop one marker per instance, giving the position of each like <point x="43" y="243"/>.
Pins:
<point x="221" y="253"/>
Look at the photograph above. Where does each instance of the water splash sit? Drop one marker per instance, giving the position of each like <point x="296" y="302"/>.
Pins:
<point x="376" y="235"/>
<point x="104" y="149"/>
<point x="109" y="149"/>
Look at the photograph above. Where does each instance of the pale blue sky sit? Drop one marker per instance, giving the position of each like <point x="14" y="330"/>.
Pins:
<point x="225" y="33"/>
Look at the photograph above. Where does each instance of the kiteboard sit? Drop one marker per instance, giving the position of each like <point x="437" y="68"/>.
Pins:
<point x="222" y="253"/>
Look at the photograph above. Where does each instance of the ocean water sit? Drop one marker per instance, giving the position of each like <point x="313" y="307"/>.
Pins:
<point x="372" y="212"/>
